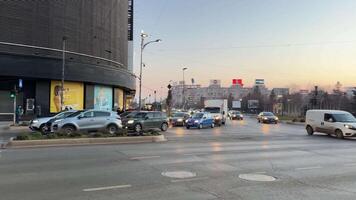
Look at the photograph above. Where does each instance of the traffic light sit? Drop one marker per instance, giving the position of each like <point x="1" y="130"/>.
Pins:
<point x="12" y="94"/>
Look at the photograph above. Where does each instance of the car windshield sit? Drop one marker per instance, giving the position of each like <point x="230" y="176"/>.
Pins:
<point x="236" y="113"/>
<point x="344" y="118"/>
<point x="268" y="114"/>
<point x="198" y="115"/>
<point x="139" y="115"/>
<point x="212" y="109"/>
<point x="178" y="114"/>
<point x="128" y="114"/>
<point x="75" y="114"/>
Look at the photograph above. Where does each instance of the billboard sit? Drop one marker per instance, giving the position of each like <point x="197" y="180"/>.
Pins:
<point x="260" y="81"/>
<point x="118" y="98"/>
<point x="103" y="97"/>
<point x="73" y="96"/>
<point x="252" y="104"/>
<point x="236" y="104"/>
<point x="237" y="82"/>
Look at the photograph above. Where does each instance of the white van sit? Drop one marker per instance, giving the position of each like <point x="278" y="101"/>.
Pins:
<point x="332" y="122"/>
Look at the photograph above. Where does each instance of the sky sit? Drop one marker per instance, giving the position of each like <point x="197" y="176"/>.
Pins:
<point x="289" y="43"/>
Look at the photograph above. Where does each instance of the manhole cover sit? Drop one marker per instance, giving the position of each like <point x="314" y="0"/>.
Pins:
<point x="257" y="177"/>
<point x="179" y="174"/>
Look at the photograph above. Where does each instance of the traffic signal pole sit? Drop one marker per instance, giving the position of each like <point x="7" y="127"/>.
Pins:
<point x="14" y="118"/>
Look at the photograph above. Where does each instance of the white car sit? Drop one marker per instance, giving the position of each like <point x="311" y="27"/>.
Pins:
<point x="39" y="124"/>
<point x="332" y="122"/>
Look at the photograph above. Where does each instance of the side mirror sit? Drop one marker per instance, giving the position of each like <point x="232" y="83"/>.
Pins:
<point x="80" y="117"/>
<point x="146" y="118"/>
<point x="330" y="120"/>
<point x="204" y="117"/>
<point x="223" y="113"/>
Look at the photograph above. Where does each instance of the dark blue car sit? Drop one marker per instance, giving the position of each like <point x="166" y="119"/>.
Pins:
<point x="200" y="120"/>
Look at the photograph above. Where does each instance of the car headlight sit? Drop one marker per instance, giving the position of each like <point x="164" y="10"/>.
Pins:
<point x="241" y="116"/>
<point x="130" y="121"/>
<point x="186" y="121"/>
<point x="265" y="118"/>
<point x="179" y="120"/>
<point x="276" y="118"/>
<point x="217" y="117"/>
<point x="57" y="120"/>
<point x="234" y="115"/>
<point x="196" y="121"/>
<point x="349" y="126"/>
<point x="35" y="121"/>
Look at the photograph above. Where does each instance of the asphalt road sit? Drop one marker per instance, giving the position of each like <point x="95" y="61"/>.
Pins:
<point x="305" y="167"/>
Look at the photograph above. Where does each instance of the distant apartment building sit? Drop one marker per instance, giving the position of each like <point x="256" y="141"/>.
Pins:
<point x="194" y="95"/>
<point x="280" y="92"/>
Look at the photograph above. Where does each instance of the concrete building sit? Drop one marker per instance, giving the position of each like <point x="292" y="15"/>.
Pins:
<point x="280" y="92"/>
<point x="196" y="94"/>
<point x="96" y="35"/>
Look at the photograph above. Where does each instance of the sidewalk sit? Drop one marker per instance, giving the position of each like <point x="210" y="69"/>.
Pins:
<point x="7" y="132"/>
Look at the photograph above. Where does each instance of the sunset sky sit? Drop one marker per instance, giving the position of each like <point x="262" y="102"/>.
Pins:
<point x="289" y="43"/>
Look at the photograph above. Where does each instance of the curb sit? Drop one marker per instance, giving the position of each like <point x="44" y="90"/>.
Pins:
<point x="83" y="141"/>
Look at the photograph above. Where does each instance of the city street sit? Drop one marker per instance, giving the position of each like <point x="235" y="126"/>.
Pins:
<point x="305" y="167"/>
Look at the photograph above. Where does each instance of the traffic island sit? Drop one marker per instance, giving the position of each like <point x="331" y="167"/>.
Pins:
<point x="83" y="141"/>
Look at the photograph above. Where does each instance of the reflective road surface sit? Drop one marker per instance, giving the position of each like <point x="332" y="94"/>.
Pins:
<point x="205" y="164"/>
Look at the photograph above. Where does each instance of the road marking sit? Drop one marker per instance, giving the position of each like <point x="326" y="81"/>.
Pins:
<point x="106" y="188"/>
<point x="259" y="172"/>
<point x="308" y="168"/>
<point x="144" y="157"/>
<point x="350" y="164"/>
<point x="190" y="179"/>
<point x="196" y="154"/>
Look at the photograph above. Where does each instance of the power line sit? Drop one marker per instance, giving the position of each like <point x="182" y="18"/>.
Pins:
<point x="263" y="46"/>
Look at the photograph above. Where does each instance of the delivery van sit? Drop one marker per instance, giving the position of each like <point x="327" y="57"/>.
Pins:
<point x="332" y="122"/>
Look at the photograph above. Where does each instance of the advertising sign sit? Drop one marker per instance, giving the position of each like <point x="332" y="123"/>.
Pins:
<point x="260" y="81"/>
<point x="252" y="104"/>
<point x="73" y="96"/>
<point x="103" y="97"/>
<point x="236" y="104"/>
<point x="118" y="99"/>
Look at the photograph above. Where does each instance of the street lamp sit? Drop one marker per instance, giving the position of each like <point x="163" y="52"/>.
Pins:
<point x="183" y="96"/>
<point x="143" y="45"/>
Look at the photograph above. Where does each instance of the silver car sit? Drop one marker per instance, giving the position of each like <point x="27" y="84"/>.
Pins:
<point x="39" y="124"/>
<point x="88" y="120"/>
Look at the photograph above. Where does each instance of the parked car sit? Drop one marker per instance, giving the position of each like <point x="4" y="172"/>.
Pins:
<point x="146" y="120"/>
<point x="88" y="120"/>
<point x="40" y="124"/>
<point x="178" y="118"/>
<point x="267" y="117"/>
<point x="200" y="120"/>
<point x="236" y="115"/>
<point x="332" y="122"/>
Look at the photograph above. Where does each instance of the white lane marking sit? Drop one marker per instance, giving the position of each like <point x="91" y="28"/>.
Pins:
<point x="259" y="172"/>
<point x="190" y="179"/>
<point x="144" y="157"/>
<point x="349" y="164"/>
<point x="106" y="188"/>
<point x="196" y="154"/>
<point x="308" y="168"/>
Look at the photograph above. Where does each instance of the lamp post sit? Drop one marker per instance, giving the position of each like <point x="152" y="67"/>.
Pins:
<point x="63" y="69"/>
<point x="183" y="95"/>
<point x="143" y="45"/>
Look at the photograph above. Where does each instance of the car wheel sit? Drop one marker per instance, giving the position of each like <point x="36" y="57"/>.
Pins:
<point x="138" y="128"/>
<point x="112" y="129"/>
<point x="212" y="125"/>
<point x="258" y="121"/>
<point x="68" y="129"/>
<point x="164" y="127"/>
<point x="200" y="126"/>
<point x="43" y="128"/>
<point x="310" y="130"/>
<point x="339" y="134"/>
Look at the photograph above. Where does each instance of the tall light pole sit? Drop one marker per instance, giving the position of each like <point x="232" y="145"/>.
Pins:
<point x="143" y="45"/>
<point x="183" y="95"/>
<point x="63" y="69"/>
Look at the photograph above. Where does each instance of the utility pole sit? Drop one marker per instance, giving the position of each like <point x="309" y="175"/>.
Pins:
<point x="63" y="70"/>
<point x="183" y="95"/>
<point x="15" y="94"/>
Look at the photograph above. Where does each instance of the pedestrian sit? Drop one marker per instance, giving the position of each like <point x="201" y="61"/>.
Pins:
<point x="18" y="114"/>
